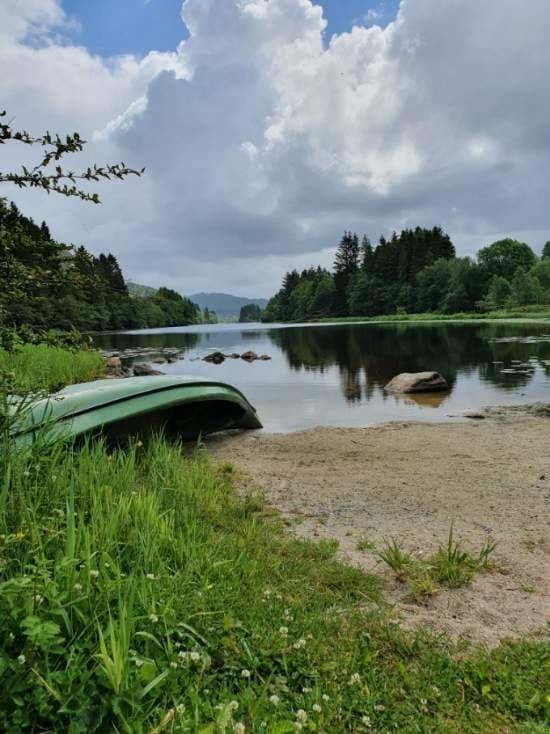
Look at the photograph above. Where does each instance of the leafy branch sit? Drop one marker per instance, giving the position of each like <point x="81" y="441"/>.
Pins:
<point x="58" y="180"/>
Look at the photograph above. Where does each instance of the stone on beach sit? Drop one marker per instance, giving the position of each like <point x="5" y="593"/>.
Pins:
<point x="408" y="382"/>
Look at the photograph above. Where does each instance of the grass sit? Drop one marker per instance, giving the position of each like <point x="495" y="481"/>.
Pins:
<point x="40" y="367"/>
<point x="137" y="587"/>
<point x="140" y="592"/>
<point x="525" y="313"/>
<point x="451" y="566"/>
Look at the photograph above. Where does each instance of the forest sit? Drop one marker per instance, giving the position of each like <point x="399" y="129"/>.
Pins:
<point x="50" y="285"/>
<point x="415" y="271"/>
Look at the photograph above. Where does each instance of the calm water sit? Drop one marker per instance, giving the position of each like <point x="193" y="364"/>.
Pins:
<point x="335" y="374"/>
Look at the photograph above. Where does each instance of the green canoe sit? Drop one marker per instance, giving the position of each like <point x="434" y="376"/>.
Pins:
<point x="184" y="406"/>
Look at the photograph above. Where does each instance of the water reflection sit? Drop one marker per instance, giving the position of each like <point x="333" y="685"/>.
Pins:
<point x="335" y="374"/>
<point x="369" y="356"/>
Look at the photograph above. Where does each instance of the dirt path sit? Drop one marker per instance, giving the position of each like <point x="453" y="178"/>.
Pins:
<point x="492" y="478"/>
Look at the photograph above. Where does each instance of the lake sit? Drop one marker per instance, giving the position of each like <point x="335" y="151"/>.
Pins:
<point x="334" y="374"/>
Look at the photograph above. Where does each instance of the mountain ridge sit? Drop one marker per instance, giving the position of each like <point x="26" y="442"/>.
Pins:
<point x="226" y="305"/>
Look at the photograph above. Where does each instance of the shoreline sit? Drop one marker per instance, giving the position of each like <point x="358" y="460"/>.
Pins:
<point x="410" y="480"/>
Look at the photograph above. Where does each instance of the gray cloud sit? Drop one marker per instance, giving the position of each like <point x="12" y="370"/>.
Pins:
<point x="262" y="144"/>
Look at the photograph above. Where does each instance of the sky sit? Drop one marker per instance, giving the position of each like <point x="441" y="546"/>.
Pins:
<point x="268" y="127"/>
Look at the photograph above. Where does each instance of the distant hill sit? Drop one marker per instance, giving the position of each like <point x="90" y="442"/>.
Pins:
<point x="225" y="305"/>
<point x="135" y="289"/>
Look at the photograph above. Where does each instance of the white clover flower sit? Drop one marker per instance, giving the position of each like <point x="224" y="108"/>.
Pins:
<point x="11" y="636"/>
<point x="21" y="659"/>
<point x="287" y="616"/>
<point x="77" y="588"/>
<point x="150" y="576"/>
<point x="183" y="655"/>
<point x="305" y="689"/>
<point x="267" y="593"/>
<point x="180" y="708"/>
<point x="317" y="708"/>
<point x="279" y="597"/>
<point x="94" y="573"/>
<point x="234" y="705"/>
<point x="379" y="707"/>
<point x="301" y="716"/>
<point x="153" y="618"/>
<point x="239" y="727"/>
<point x="173" y="664"/>
<point x="38" y="598"/>
<point x="355" y="679"/>
<point x="325" y="697"/>
<point x="366" y="721"/>
<point x="195" y="656"/>
<point x="274" y="699"/>
<point x="283" y="631"/>
<point x="299" y="644"/>
<point x="245" y="673"/>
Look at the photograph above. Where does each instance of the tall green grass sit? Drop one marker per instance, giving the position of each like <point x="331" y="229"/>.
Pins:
<point x="40" y="367"/>
<point x="140" y="592"/>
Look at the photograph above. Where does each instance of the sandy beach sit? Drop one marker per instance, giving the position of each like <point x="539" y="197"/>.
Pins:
<point x="409" y="481"/>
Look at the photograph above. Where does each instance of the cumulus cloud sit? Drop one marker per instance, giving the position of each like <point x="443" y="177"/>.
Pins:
<point x="262" y="142"/>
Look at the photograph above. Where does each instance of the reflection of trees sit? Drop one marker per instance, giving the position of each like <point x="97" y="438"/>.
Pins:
<point x="368" y="356"/>
<point x="139" y="341"/>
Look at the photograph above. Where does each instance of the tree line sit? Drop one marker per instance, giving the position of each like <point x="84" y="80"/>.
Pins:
<point x="414" y="271"/>
<point x="50" y="285"/>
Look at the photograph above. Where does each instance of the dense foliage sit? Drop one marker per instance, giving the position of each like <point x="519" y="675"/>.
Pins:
<point x="47" y="284"/>
<point x="249" y="313"/>
<point x="413" y="272"/>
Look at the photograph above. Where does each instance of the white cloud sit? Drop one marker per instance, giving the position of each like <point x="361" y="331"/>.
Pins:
<point x="262" y="144"/>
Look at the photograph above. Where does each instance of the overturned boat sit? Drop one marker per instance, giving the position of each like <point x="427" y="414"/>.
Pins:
<point x="187" y="407"/>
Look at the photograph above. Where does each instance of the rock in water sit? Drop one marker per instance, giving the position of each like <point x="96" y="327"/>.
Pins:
<point x="249" y="356"/>
<point x="417" y="382"/>
<point x="215" y="358"/>
<point x="114" y="368"/>
<point x="145" y="370"/>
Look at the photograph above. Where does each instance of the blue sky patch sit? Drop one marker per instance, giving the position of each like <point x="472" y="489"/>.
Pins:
<point x="110" y="27"/>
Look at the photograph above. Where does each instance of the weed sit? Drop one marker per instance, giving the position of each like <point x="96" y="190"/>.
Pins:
<point x="454" y="567"/>
<point x="398" y="559"/>
<point x="421" y="585"/>
<point x="364" y="544"/>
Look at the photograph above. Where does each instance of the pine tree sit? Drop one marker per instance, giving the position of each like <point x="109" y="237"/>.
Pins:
<point x="367" y="253"/>
<point x="346" y="263"/>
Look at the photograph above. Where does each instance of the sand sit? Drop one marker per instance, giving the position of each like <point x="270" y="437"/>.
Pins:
<point x="410" y="481"/>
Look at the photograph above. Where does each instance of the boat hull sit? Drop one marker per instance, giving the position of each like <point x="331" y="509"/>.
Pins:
<point x="185" y="406"/>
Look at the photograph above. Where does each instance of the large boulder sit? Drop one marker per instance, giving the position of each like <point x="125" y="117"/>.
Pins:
<point x="408" y="382"/>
